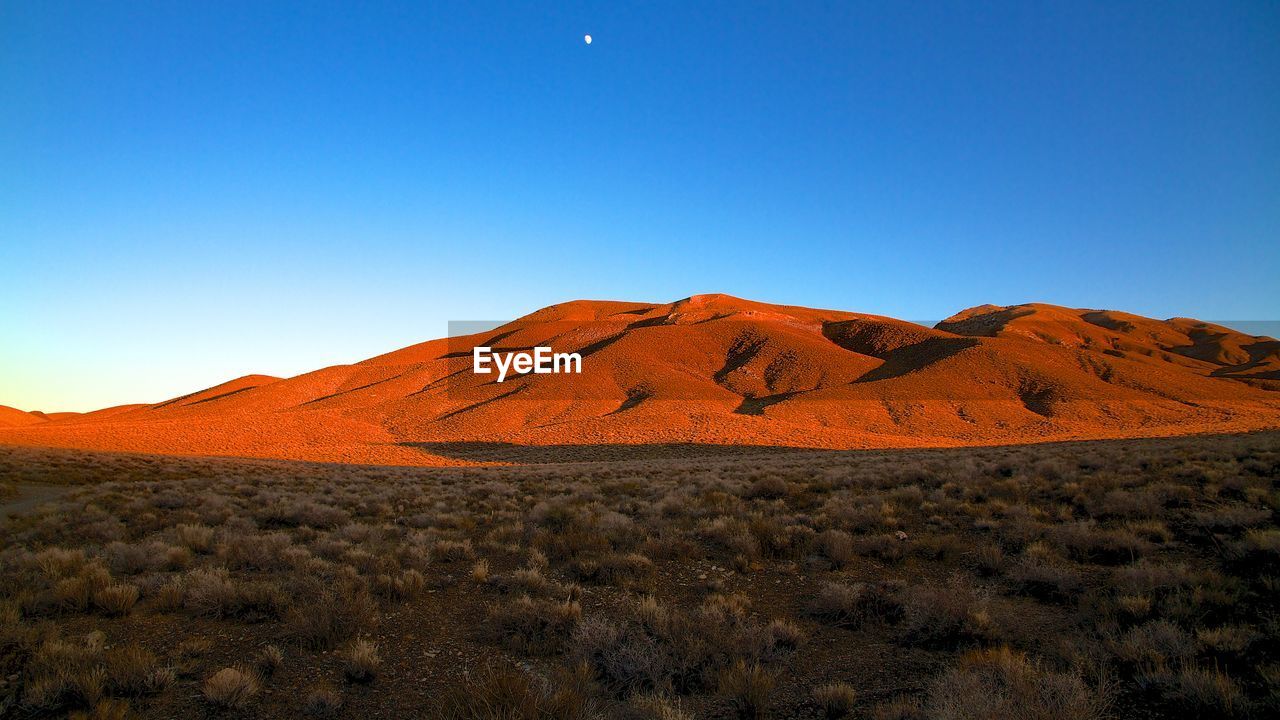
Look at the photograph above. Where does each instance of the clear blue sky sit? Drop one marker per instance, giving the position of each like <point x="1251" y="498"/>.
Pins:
<point x="195" y="191"/>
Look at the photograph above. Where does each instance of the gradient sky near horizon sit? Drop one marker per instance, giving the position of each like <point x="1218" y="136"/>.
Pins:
<point x="195" y="191"/>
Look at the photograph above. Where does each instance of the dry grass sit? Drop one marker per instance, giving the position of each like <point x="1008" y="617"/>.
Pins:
<point x="510" y="693"/>
<point x="232" y="688"/>
<point x="1028" y="582"/>
<point x="360" y="661"/>
<point x="749" y="686"/>
<point x="133" y="670"/>
<point x="322" y="701"/>
<point x="116" y="599"/>
<point x="851" y="605"/>
<point x="1001" y="683"/>
<point x="835" y="700"/>
<point x="269" y="661"/>
<point x="533" y="626"/>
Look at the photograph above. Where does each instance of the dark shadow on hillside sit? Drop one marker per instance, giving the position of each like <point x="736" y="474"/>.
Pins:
<point x="757" y="405"/>
<point x="916" y="357"/>
<point x="635" y="396"/>
<point x="547" y="454"/>
<point x="322" y="398"/>
<point x="482" y="403"/>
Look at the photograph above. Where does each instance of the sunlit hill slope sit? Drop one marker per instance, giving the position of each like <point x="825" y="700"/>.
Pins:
<point x="718" y="370"/>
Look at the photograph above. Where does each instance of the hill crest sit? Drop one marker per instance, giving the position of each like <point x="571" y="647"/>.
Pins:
<point x="718" y="370"/>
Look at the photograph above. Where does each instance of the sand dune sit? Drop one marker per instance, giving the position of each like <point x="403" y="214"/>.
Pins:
<point x="718" y="370"/>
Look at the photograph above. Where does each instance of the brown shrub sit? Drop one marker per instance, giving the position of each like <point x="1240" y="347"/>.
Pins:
<point x="480" y="571"/>
<point x="1145" y="577"/>
<point x="1134" y="607"/>
<point x="672" y="547"/>
<point x="256" y="551"/>
<point x="1154" y="644"/>
<point x="1154" y="530"/>
<point x="116" y="599"/>
<point x="1000" y="683"/>
<point x="899" y="708"/>
<point x="196" y="538"/>
<point x="56" y="562"/>
<point x="322" y="701"/>
<point x="1052" y="581"/>
<point x="333" y="614"/>
<point x="133" y="670"/>
<point x="767" y="488"/>
<point x="650" y="706"/>
<point x="939" y="547"/>
<point x="1088" y="542"/>
<point x="360" y="661"/>
<point x="402" y="586"/>
<point x="1128" y="504"/>
<point x="837" y="546"/>
<point x="835" y="700"/>
<point x="169" y="597"/>
<point x="1201" y="692"/>
<point x="107" y="709"/>
<point x="450" y="551"/>
<point x="269" y="661"/>
<point x="1231" y="518"/>
<point x="1262" y="544"/>
<point x="785" y="634"/>
<point x="885" y="546"/>
<point x="630" y="570"/>
<point x="232" y="688"/>
<point x="535" y="626"/>
<point x="512" y="694"/>
<point x="748" y="686"/>
<point x="572" y="542"/>
<point x="851" y="605"/>
<point x="62" y="672"/>
<point x="944" y="614"/>
<point x="1227" y="640"/>
<point x="126" y="559"/>
<point x="76" y="593"/>
<point x="210" y="591"/>
<point x="654" y="648"/>
<point x="988" y="559"/>
<point x="778" y="540"/>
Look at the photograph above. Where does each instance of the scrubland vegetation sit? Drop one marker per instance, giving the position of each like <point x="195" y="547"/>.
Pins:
<point x="1104" y="579"/>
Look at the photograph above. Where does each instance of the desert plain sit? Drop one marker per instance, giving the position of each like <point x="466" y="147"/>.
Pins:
<point x="737" y="510"/>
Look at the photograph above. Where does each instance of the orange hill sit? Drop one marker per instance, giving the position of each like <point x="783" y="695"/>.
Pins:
<point x="718" y="370"/>
<point x="13" y="417"/>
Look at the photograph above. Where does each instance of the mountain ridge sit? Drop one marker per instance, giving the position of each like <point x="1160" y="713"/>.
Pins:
<point x="718" y="370"/>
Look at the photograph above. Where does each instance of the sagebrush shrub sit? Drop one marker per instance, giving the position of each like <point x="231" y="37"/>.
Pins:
<point x="1001" y="683"/>
<point x="835" y="700"/>
<point x="232" y="688"/>
<point x="360" y="661"/>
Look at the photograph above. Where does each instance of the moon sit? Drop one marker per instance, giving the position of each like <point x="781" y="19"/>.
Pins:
<point x="587" y="38"/>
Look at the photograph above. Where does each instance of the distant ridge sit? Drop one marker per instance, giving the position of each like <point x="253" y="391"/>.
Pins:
<point x="13" y="417"/>
<point x="719" y="370"/>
